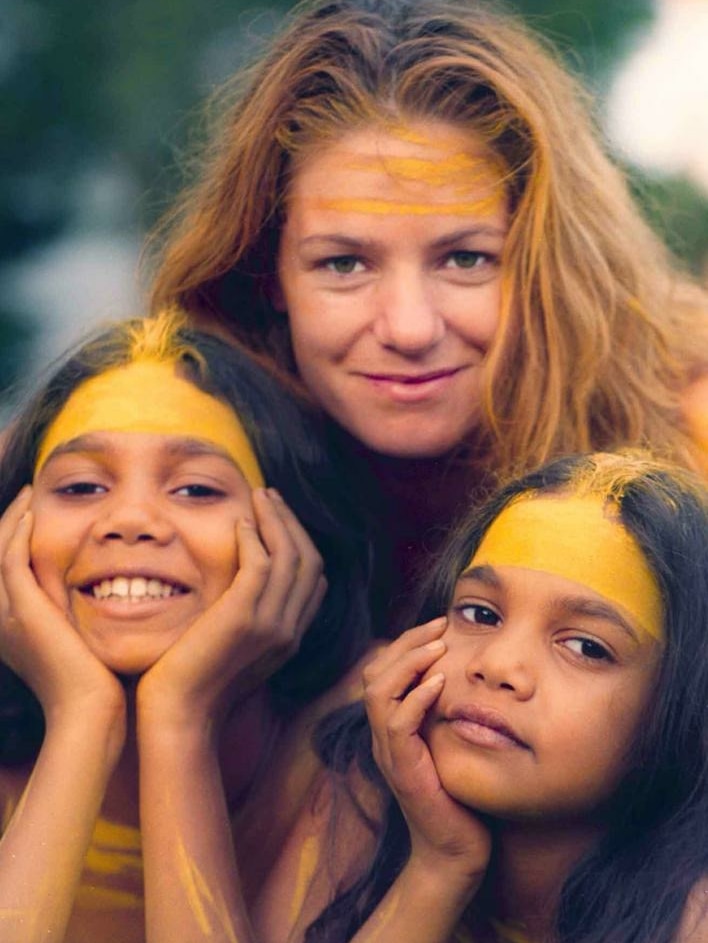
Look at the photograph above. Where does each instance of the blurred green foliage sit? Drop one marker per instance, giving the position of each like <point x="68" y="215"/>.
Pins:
<point x="114" y="86"/>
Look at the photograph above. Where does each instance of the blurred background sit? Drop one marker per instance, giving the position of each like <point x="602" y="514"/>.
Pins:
<point x="100" y="107"/>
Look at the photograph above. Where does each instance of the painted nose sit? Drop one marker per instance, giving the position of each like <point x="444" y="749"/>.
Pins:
<point x="132" y="522"/>
<point x="408" y="320"/>
<point x="502" y="661"/>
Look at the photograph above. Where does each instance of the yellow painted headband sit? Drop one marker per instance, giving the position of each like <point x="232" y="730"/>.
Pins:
<point x="580" y="538"/>
<point x="148" y="395"/>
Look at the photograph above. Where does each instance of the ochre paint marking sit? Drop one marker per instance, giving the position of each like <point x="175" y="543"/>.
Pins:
<point x="484" y="207"/>
<point x="307" y="865"/>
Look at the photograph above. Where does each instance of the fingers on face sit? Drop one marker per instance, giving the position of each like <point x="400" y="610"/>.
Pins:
<point x="12" y="515"/>
<point x="281" y="567"/>
<point x="398" y="697"/>
<point x="395" y="698"/>
<point x="15" y="532"/>
<point x="409" y="641"/>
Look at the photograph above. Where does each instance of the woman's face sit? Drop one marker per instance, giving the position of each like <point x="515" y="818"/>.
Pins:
<point x="389" y="269"/>
<point x="135" y="536"/>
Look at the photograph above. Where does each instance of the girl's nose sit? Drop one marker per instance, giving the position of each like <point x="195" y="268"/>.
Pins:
<point x="134" y="521"/>
<point x="504" y="662"/>
<point x="407" y="319"/>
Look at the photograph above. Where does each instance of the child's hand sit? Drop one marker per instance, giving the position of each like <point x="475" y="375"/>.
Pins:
<point x="251" y="630"/>
<point x="444" y="834"/>
<point x="38" y="641"/>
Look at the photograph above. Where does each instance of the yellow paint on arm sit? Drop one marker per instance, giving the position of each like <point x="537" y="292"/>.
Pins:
<point x="307" y="866"/>
<point x="200" y="897"/>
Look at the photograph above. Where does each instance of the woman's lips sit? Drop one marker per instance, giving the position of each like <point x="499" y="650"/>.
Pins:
<point x="412" y="387"/>
<point x="483" y="727"/>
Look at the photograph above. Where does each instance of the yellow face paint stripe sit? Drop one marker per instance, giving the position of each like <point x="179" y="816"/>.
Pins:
<point x="484" y="207"/>
<point x="458" y="170"/>
<point x="149" y="396"/>
<point x="581" y="539"/>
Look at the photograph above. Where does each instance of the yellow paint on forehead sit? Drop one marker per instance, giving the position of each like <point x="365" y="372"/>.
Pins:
<point x="458" y="170"/>
<point x="149" y="396"/>
<point x="475" y="182"/>
<point x="485" y="207"/>
<point x="580" y="538"/>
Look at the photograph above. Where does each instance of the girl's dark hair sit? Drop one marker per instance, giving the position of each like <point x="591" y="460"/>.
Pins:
<point x="634" y="886"/>
<point x="286" y="437"/>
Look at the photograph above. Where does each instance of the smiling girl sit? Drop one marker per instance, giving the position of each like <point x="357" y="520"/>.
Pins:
<point x="547" y="739"/>
<point x="169" y="621"/>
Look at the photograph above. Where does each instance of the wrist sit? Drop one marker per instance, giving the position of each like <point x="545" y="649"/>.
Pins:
<point x="454" y="878"/>
<point x="89" y="727"/>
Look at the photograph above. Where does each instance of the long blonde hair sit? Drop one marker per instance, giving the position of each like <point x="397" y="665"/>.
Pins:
<point x="599" y="329"/>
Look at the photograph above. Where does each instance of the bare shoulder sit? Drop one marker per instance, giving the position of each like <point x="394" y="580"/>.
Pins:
<point x="694" y="925"/>
<point x="328" y="848"/>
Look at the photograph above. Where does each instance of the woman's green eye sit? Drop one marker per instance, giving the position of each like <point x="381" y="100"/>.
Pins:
<point x="343" y="264"/>
<point x="464" y="259"/>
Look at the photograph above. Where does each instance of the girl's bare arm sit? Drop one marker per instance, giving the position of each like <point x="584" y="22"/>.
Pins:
<point x="192" y="886"/>
<point x="43" y="848"/>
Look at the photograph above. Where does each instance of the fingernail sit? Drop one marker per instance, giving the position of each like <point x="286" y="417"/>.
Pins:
<point x="437" y="645"/>
<point x="433" y="681"/>
<point x="247" y="522"/>
<point x="274" y="493"/>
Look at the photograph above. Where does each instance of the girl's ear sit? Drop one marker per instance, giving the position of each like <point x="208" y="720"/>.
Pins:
<point x="274" y="294"/>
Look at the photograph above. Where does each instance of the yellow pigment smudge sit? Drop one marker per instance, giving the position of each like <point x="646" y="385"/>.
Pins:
<point x="92" y="897"/>
<point x="405" y="133"/>
<point x="458" y="170"/>
<point x="199" y="895"/>
<point x="484" y="207"/>
<point x="114" y="849"/>
<point x="509" y="932"/>
<point x="195" y="887"/>
<point x="307" y="865"/>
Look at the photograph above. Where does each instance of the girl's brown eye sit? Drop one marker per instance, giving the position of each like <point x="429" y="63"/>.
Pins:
<point x="588" y="648"/>
<point x="478" y="614"/>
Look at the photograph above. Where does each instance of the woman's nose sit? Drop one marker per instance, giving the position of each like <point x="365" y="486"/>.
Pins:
<point x="407" y="319"/>
<point x="504" y="662"/>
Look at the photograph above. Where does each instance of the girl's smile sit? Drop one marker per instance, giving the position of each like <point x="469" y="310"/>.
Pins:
<point x="545" y="682"/>
<point x="135" y="536"/>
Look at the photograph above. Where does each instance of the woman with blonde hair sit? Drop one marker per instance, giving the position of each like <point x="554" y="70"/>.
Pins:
<point x="408" y="209"/>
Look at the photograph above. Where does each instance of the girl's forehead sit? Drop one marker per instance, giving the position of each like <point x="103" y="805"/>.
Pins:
<point x="149" y="396"/>
<point x="582" y="539"/>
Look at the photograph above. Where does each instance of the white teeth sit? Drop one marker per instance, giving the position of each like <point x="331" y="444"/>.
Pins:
<point x="138" y="587"/>
<point x="135" y="589"/>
